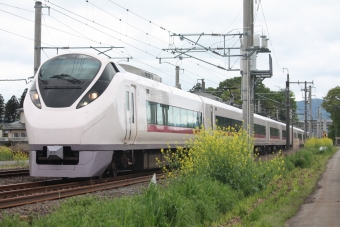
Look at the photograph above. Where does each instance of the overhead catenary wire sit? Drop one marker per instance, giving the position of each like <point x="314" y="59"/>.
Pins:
<point x="192" y="61"/>
<point x="104" y="26"/>
<point x="271" y="44"/>
<point x="99" y="30"/>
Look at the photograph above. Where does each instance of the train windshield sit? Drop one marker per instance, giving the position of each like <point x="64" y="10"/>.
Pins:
<point x="76" y="66"/>
<point x="64" y="78"/>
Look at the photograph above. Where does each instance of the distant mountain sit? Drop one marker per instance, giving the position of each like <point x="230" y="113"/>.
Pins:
<point x="315" y="104"/>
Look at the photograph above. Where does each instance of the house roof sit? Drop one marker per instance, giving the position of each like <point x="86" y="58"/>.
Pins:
<point x="14" y="125"/>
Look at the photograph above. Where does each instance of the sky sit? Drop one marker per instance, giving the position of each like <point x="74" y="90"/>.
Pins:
<point x="303" y="38"/>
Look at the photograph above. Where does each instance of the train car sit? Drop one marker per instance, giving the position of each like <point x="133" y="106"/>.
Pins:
<point x="87" y="116"/>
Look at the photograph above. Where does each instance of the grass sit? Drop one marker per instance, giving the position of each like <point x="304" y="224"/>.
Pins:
<point x="283" y="197"/>
<point x="214" y="182"/>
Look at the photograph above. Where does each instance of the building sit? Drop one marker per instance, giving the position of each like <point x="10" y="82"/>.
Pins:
<point x="15" y="131"/>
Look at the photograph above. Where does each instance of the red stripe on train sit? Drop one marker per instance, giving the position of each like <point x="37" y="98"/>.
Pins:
<point x="169" y="129"/>
<point x="259" y="136"/>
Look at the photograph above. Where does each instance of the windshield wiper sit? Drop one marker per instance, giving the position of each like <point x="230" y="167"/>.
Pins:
<point x="68" y="78"/>
<point x="42" y="80"/>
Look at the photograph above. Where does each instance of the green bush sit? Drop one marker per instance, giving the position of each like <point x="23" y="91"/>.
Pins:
<point x="224" y="155"/>
<point x="184" y="202"/>
<point x="301" y="159"/>
<point x="5" y="154"/>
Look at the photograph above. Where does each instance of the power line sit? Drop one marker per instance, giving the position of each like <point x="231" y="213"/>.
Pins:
<point x="141" y="17"/>
<point x="17" y="7"/>
<point x="87" y="38"/>
<point x="104" y="27"/>
<point x="271" y="44"/>
<point x="145" y="33"/>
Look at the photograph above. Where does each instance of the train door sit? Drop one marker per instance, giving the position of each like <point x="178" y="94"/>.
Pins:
<point x="130" y="114"/>
<point x="212" y="116"/>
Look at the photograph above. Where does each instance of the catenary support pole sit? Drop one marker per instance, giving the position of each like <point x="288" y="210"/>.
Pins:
<point x="287" y="111"/>
<point x="318" y="124"/>
<point x="177" y="77"/>
<point x="305" y="128"/>
<point x="247" y="81"/>
<point x="310" y="129"/>
<point x="37" y="36"/>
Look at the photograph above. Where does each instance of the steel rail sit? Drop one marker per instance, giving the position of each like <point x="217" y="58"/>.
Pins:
<point x="8" y="191"/>
<point x="10" y="187"/>
<point x="21" y="200"/>
<point x="13" y="173"/>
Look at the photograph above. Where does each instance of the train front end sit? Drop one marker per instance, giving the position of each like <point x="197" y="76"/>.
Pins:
<point x="67" y="97"/>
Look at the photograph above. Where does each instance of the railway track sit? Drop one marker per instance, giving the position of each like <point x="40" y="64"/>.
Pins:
<point x="14" y="173"/>
<point x="20" y="194"/>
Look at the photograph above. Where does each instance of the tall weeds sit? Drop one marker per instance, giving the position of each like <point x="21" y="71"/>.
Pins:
<point x="225" y="155"/>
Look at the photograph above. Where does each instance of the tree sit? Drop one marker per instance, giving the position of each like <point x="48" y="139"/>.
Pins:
<point x="10" y="109"/>
<point x="331" y="103"/>
<point x="22" y="98"/>
<point x="270" y="100"/>
<point x="2" y="108"/>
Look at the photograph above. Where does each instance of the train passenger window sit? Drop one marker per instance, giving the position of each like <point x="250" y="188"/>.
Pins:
<point x="191" y="119"/>
<point x="127" y="100"/>
<point x="160" y="120"/>
<point x="184" y="117"/>
<point x="259" y="129"/>
<point x="151" y="112"/>
<point x="198" y="119"/>
<point x="170" y="118"/>
<point x="284" y="136"/>
<point x="274" y="132"/>
<point x="176" y="116"/>
<point x="132" y="108"/>
<point x="165" y="114"/>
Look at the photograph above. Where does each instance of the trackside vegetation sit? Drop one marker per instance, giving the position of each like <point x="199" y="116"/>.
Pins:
<point x="213" y="181"/>
<point x="13" y="154"/>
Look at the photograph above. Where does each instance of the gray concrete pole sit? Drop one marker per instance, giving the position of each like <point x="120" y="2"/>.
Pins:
<point x="292" y="130"/>
<point x="305" y="128"/>
<point x="247" y="81"/>
<point x="321" y="132"/>
<point x="37" y="36"/>
<point x="318" y="124"/>
<point x="177" y="77"/>
<point x="287" y="111"/>
<point x="310" y="113"/>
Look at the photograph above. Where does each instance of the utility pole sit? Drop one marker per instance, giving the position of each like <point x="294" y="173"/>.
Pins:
<point x="292" y="115"/>
<point x="317" y="124"/>
<point x="287" y="111"/>
<point x="37" y="36"/>
<point x="247" y="81"/>
<point x="310" y="113"/>
<point x="178" y="85"/>
<point x="305" y="90"/>
<point x="305" y="125"/>
<point x="321" y="131"/>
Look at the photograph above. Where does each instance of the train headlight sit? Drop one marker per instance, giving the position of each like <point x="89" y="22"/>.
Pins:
<point x="99" y="87"/>
<point x="93" y="95"/>
<point x="88" y="98"/>
<point x="35" y="98"/>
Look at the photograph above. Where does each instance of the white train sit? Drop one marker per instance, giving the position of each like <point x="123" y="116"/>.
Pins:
<point x="86" y="116"/>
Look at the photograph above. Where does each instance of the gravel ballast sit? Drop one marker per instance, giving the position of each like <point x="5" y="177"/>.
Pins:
<point x="37" y="210"/>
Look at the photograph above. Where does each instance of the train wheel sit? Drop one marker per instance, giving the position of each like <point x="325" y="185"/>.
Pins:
<point x="113" y="167"/>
